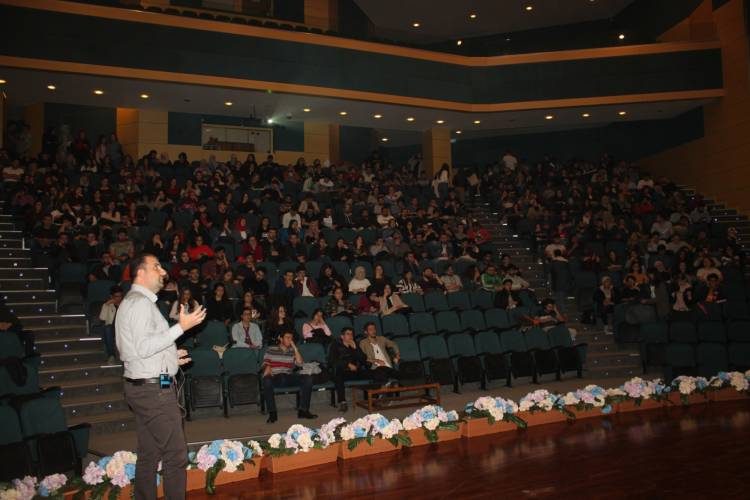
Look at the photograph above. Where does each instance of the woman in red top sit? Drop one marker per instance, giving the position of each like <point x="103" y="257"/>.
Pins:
<point x="199" y="250"/>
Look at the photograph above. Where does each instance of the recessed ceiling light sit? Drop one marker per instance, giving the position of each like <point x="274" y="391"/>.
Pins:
<point x="2" y="81"/>
<point x="377" y="117"/>
<point x="439" y="122"/>
<point x="477" y="122"/>
<point x="306" y="110"/>
<point x="98" y="92"/>
<point x="384" y="139"/>
<point x="621" y="36"/>
<point x="51" y="87"/>
<point x="549" y="117"/>
<point x="415" y="24"/>
<point x="144" y="96"/>
<point x="585" y="115"/>
<point x="459" y="42"/>
<point x="228" y="103"/>
<point x="458" y="132"/>
<point x="343" y="113"/>
<point x="410" y="119"/>
<point x="529" y="7"/>
<point x="622" y="113"/>
<point x="472" y="16"/>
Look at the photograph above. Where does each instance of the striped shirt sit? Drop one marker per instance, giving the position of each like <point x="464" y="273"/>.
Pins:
<point x="280" y="361"/>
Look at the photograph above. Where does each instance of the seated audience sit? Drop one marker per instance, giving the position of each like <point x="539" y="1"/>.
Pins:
<point x="279" y="365"/>
<point x="316" y="330"/>
<point x="246" y="333"/>
<point x="382" y="356"/>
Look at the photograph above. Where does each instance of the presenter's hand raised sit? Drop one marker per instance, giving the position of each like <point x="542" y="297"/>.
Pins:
<point x="189" y="320"/>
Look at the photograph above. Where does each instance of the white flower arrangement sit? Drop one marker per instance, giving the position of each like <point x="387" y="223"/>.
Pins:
<point x="373" y="426"/>
<point x="297" y="439"/>
<point x="687" y="385"/>
<point x="330" y="432"/>
<point x="588" y="398"/>
<point x="494" y="410"/>
<point x="542" y="400"/>
<point x="739" y="381"/>
<point x="431" y="418"/>
<point x="223" y="455"/>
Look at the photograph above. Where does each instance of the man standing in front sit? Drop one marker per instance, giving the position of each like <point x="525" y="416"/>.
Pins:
<point x="147" y="349"/>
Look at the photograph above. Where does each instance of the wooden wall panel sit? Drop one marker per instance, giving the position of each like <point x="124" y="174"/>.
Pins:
<point x="718" y="164"/>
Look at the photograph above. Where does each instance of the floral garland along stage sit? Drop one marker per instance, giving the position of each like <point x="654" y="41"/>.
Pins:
<point x="109" y="476"/>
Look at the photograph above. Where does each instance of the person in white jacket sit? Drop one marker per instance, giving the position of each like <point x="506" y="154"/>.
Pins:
<point x="245" y="333"/>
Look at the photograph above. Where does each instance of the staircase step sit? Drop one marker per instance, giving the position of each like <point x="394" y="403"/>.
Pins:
<point x="38" y="322"/>
<point x="51" y="332"/>
<point x="618" y="372"/>
<point x="24" y="272"/>
<point x="40" y="307"/>
<point x="7" y="226"/>
<point x="22" y="284"/>
<point x="24" y="296"/>
<point x="94" y="404"/>
<point x="65" y="343"/>
<point x="11" y="243"/>
<point x="116" y="421"/>
<point x="71" y="357"/>
<point x="12" y="262"/>
<point x="53" y="375"/>
<point x="84" y="387"/>
<point x="8" y="253"/>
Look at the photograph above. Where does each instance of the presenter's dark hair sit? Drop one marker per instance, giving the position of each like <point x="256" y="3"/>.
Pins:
<point x="139" y="262"/>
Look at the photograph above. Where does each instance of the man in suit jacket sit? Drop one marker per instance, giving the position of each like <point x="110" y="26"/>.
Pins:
<point x="306" y="287"/>
<point x="382" y="364"/>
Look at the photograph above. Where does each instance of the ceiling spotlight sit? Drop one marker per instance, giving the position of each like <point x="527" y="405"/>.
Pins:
<point x="622" y="113"/>
<point x="378" y="116"/>
<point x="585" y="115"/>
<point x="549" y="117"/>
<point x="472" y="16"/>
<point x="98" y="92"/>
<point x="410" y="119"/>
<point x="384" y="139"/>
<point x="343" y="113"/>
<point x="477" y="122"/>
<point x="439" y="122"/>
<point x="621" y="36"/>
<point x="51" y="87"/>
<point x="228" y="103"/>
<point x="306" y="110"/>
<point x="458" y="132"/>
<point x="415" y="24"/>
<point x="529" y="7"/>
<point x="144" y="96"/>
<point x="269" y="121"/>
<point x="2" y="81"/>
<point x="459" y="42"/>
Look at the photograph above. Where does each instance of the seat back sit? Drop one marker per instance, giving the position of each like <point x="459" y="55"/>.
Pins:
<point x="739" y="356"/>
<point x="459" y="300"/>
<point x="305" y="306"/>
<point x="414" y="301"/>
<point x="536" y="338"/>
<point x="206" y="363"/>
<point x="512" y="340"/>
<point x="655" y="333"/>
<point x="421" y="323"/>
<point x="240" y="360"/>
<point x="98" y="291"/>
<point x="559" y="336"/>
<point x="487" y="342"/>
<point x="472" y="320"/>
<point x="395" y="325"/>
<point x="338" y="323"/>
<point x="41" y="415"/>
<point x="408" y="348"/>
<point x="482" y="299"/>
<point x="497" y="318"/>
<point x="10" y="426"/>
<point x="739" y="331"/>
<point x="213" y="333"/>
<point x="360" y="322"/>
<point x="712" y="331"/>
<point x="682" y="331"/>
<point x="436" y="301"/>
<point x="711" y="359"/>
<point x="448" y="321"/>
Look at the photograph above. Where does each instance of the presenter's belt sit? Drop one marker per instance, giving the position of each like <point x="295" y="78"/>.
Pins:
<point x="144" y="381"/>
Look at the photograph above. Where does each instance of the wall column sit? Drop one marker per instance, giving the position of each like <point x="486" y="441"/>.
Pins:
<point x="33" y="115"/>
<point x="141" y="130"/>
<point x="436" y="149"/>
<point x="323" y="14"/>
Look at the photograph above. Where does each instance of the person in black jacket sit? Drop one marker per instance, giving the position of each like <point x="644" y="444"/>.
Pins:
<point x="348" y="362"/>
<point x="506" y="298"/>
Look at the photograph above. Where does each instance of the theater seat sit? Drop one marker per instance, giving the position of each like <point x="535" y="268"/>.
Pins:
<point x="496" y="362"/>
<point x="467" y="364"/>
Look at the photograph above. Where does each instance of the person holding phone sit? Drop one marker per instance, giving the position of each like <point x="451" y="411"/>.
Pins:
<point x="279" y="365"/>
<point x="151" y="359"/>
